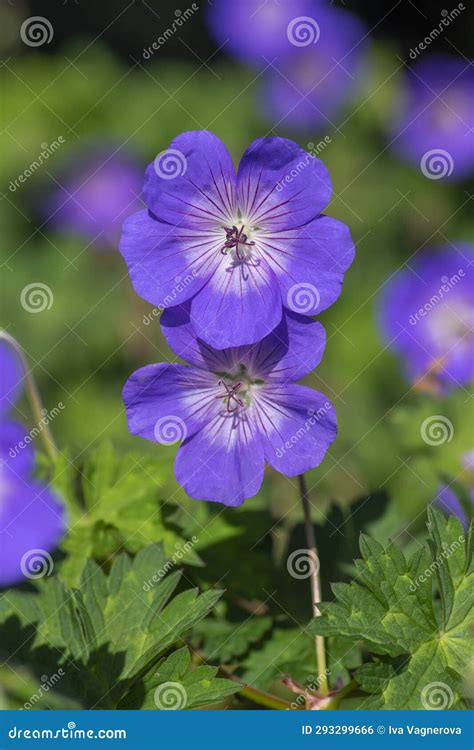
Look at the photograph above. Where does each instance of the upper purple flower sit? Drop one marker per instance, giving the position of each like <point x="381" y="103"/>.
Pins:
<point x="235" y="409"/>
<point x="241" y="246"/>
<point x="436" y="117"/>
<point x="254" y="31"/>
<point x="94" y="194"/>
<point x="308" y="88"/>
<point x="427" y="316"/>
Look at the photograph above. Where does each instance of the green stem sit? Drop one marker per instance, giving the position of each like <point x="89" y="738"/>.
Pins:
<point x="315" y="585"/>
<point x="34" y="397"/>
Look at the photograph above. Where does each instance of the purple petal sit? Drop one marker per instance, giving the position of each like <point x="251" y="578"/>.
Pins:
<point x="32" y="522"/>
<point x="311" y="263"/>
<point x="447" y="501"/>
<point x="192" y="183"/>
<point x="297" y="425"/>
<point x="166" y="403"/>
<point x="222" y="463"/>
<point x="167" y="265"/>
<point x="11" y="377"/>
<point x="16" y="448"/>
<point x="279" y="185"/>
<point x="240" y="304"/>
<point x="179" y="333"/>
<point x="290" y="352"/>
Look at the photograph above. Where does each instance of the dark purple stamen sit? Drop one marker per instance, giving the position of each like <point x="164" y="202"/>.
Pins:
<point x="230" y="394"/>
<point x="233" y="238"/>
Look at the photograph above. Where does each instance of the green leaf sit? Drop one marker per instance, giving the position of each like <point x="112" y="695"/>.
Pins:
<point x="173" y="686"/>
<point x="108" y="634"/>
<point x="225" y="640"/>
<point x="392" y="608"/>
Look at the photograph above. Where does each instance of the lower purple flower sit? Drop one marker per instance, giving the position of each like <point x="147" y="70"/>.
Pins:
<point x="427" y="316"/>
<point x="234" y="409"/>
<point x="31" y="525"/>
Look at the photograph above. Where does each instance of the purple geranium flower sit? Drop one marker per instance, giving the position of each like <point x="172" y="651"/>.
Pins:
<point x="31" y="518"/>
<point x="311" y="85"/>
<point x="94" y="193"/>
<point x="435" y="125"/>
<point x="12" y="434"/>
<point x="254" y="31"/>
<point x="448" y="501"/>
<point x="31" y="524"/>
<point x="11" y="377"/>
<point x="427" y="316"/>
<point x="241" y="246"/>
<point x="235" y="409"/>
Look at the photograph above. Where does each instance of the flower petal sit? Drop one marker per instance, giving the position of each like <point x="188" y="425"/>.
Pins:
<point x="167" y="265"/>
<point x="222" y="463"/>
<point x="279" y="185"/>
<point x="291" y="351"/>
<point x="192" y="183"/>
<point x="310" y="263"/>
<point x="166" y="403"/>
<point x="15" y="448"/>
<point x="11" y="377"/>
<point x="297" y="425"/>
<point x="240" y="304"/>
<point x="179" y="333"/>
<point x="32" y="522"/>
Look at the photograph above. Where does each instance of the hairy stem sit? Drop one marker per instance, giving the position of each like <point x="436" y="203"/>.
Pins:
<point x="315" y="585"/>
<point x="34" y="397"/>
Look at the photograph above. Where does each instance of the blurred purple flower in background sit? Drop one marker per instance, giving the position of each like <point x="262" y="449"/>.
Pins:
<point x="435" y="126"/>
<point x="94" y="193"/>
<point x="242" y="246"/>
<point x="447" y="499"/>
<point x="427" y="316"/>
<point x="306" y="89"/>
<point x="31" y="518"/>
<point x="312" y="54"/>
<point x="235" y="409"/>
<point x="254" y="31"/>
